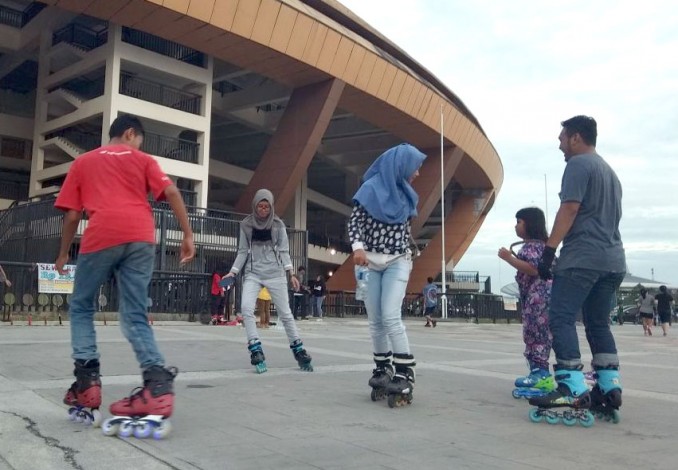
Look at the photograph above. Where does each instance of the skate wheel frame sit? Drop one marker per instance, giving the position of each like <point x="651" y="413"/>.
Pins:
<point x="377" y="394"/>
<point x="80" y="414"/>
<point x="261" y="367"/>
<point x="155" y="426"/>
<point x="569" y="417"/>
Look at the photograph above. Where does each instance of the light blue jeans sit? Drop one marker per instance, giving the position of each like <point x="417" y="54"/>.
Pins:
<point x="277" y="287"/>
<point x="132" y="265"/>
<point x="385" y="293"/>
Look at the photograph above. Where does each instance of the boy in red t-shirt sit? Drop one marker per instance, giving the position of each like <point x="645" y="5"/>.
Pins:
<point x="111" y="184"/>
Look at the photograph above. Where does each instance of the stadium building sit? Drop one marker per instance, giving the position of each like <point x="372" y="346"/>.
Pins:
<point x="298" y="96"/>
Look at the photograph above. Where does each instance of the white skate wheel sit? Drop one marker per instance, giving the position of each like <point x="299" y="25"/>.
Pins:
<point x="109" y="428"/>
<point x="163" y="429"/>
<point x="143" y="430"/>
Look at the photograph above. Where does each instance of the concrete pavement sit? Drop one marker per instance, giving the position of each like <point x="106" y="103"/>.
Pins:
<point x="228" y="417"/>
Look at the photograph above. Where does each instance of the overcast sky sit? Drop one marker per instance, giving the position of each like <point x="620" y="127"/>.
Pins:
<point x="524" y="66"/>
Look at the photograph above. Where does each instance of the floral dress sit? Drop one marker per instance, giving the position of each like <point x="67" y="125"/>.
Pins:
<point x="535" y="297"/>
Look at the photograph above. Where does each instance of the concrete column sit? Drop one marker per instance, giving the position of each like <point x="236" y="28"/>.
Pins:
<point x="38" y="160"/>
<point x="111" y="81"/>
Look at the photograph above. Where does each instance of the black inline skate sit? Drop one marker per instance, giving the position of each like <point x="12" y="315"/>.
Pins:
<point x="401" y="386"/>
<point x="381" y="376"/>
<point x="302" y="357"/>
<point x="257" y="358"/>
<point x="606" y="395"/>
<point x="84" y="395"/>
<point x="571" y="393"/>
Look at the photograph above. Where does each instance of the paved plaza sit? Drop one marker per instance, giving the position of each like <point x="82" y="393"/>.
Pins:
<point x="228" y="417"/>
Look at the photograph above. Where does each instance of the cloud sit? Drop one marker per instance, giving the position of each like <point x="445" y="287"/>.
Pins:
<point x="522" y="67"/>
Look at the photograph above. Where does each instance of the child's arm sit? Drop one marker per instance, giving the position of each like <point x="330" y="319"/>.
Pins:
<point x="520" y="265"/>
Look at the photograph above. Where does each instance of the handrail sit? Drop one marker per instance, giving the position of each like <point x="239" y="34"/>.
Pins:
<point x="158" y="93"/>
<point x="163" y="46"/>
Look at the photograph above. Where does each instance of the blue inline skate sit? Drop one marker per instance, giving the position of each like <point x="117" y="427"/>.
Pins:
<point x="606" y="395"/>
<point x="539" y="383"/>
<point x="572" y="394"/>
<point x="302" y="357"/>
<point x="381" y="376"/>
<point x="257" y="358"/>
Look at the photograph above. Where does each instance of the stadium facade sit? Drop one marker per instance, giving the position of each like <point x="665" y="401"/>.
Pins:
<point x="298" y="96"/>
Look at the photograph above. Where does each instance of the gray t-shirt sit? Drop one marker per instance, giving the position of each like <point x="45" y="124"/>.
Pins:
<point x="594" y="241"/>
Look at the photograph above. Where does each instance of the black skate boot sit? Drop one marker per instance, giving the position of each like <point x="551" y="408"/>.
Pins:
<point x="85" y="393"/>
<point x="606" y="395"/>
<point x="381" y="375"/>
<point x="257" y="358"/>
<point x="401" y="386"/>
<point x="302" y="357"/>
<point x="571" y="393"/>
<point x="147" y="410"/>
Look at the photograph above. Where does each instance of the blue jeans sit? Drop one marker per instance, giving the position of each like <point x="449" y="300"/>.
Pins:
<point x="318" y="306"/>
<point x="385" y="294"/>
<point x="593" y="293"/>
<point x="132" y="265"/>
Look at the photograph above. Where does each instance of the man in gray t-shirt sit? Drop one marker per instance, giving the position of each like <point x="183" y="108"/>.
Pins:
<point x="589" y="270"/>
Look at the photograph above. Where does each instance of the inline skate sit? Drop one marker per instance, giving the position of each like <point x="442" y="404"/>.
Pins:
<point x="84" y="396"/>
<point x="146" y="411"/>
<point x="302" y="357"/>
<point x="606" y="395"/>
<point x="571" y="393"/>
<point x="381" y="376"/>
<point x="539" y="383"/>
<point x="257" y="358"/>
<point x="401" y="386"/>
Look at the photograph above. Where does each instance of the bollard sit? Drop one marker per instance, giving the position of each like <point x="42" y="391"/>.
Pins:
<point x="30" y="319"/>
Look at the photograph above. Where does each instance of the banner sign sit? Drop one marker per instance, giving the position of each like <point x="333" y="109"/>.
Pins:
<point x="51" y="282"/>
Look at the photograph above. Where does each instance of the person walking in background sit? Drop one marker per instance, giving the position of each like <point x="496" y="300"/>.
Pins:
<point x="430" y="296"/>
<point x="264" y="259"/>
<point x="112" y="184"/>
<point x="535" y="295"/>
<point x="319" y="291"/>
<point x="589" y="271"/>
<point x="379" y="230"/>
<point x="264" y="307"/>
<point x="646" y="311"/>
<point x="664" y="306"/>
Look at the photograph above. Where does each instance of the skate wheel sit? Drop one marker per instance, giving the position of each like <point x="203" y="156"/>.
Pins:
<point x="126" y="429"/>
<point x="162" y="430"/>
<point x="616" y="417"/>
<point x="552" y="419"/>
<point x="143" y="430"/>
<point x="392" y="401"/>
<point x="97" y="418"/>
<point x="260" y="368"/>
<point x="109" y="428"/>
<point x="516" y="394"/>
<point x="569" y="420"/>
<point x="79" y="418"/>
<point x="535" y="415"/>
<point x="373" y="395"/>
<point x="587" y="419"/>
<point x="72" y="413"/>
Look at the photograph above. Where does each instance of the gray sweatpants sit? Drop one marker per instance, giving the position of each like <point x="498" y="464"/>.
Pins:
<point x="277" y="287"/>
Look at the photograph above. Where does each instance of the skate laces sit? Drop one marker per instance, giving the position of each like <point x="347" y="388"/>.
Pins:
<point x="137" y="394"/>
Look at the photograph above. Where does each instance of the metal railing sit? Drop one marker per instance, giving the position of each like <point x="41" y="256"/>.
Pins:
<point x="14" y="147"/>
<point x="329" y="242"/>
<point x="83" y="140"/>
<point x="80" y="36"/>
<point x="164" y="47"/>
<point x="171" y="147"/>
<point x="19" y="19"/>
<point x="159" y="94"/>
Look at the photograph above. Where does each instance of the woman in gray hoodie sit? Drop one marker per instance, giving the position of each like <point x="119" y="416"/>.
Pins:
<point x="264" y="260"/>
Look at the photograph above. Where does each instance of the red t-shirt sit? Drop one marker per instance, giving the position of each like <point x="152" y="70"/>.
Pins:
<point x="111" y="184"/>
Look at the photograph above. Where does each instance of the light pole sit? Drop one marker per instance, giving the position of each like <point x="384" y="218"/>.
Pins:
<point x="443" y="297"/>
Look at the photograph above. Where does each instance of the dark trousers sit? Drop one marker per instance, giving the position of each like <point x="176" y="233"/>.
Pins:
<point x="298" y="305"/>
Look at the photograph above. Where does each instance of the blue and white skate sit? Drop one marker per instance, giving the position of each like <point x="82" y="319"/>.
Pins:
<point x="141" y="427"/>
<point x="257" y="358"/>
<point x="301" y="356"/>
<point x="538" y="384"/>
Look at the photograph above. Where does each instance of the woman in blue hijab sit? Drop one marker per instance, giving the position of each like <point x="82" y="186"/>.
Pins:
<point x="379" y="229"/>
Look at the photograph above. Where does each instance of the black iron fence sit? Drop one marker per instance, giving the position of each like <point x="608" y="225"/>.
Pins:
<point x="164" y="47"/>
<point x="159" y="94"/>
<point x="17" y="18"/>
<point x="171" y="147"/>
<point x="80" y="36"/>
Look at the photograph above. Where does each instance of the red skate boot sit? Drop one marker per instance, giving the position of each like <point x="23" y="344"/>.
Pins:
<point x="144" y="413"/>
<point x="84" y="396"/>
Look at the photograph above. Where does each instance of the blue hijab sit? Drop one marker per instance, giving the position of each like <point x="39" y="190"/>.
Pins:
<point x="386" y="193"/>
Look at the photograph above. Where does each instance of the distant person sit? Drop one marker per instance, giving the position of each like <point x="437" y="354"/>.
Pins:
<point x="299" y="292"/>
<point x="218" y="298"/>
<point x="646" y="311"/>
<point x="319" y="290"/>
<point x="591" y="267"/>
<point x="111" y="184"/>
<point x="264" y="260"/>
<point x="430" y="295"/>
<point x="379" y="229"/>
<point x="264" y="307"/>
<point x="664" y="306"/>
<point x="535" y="296"/>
